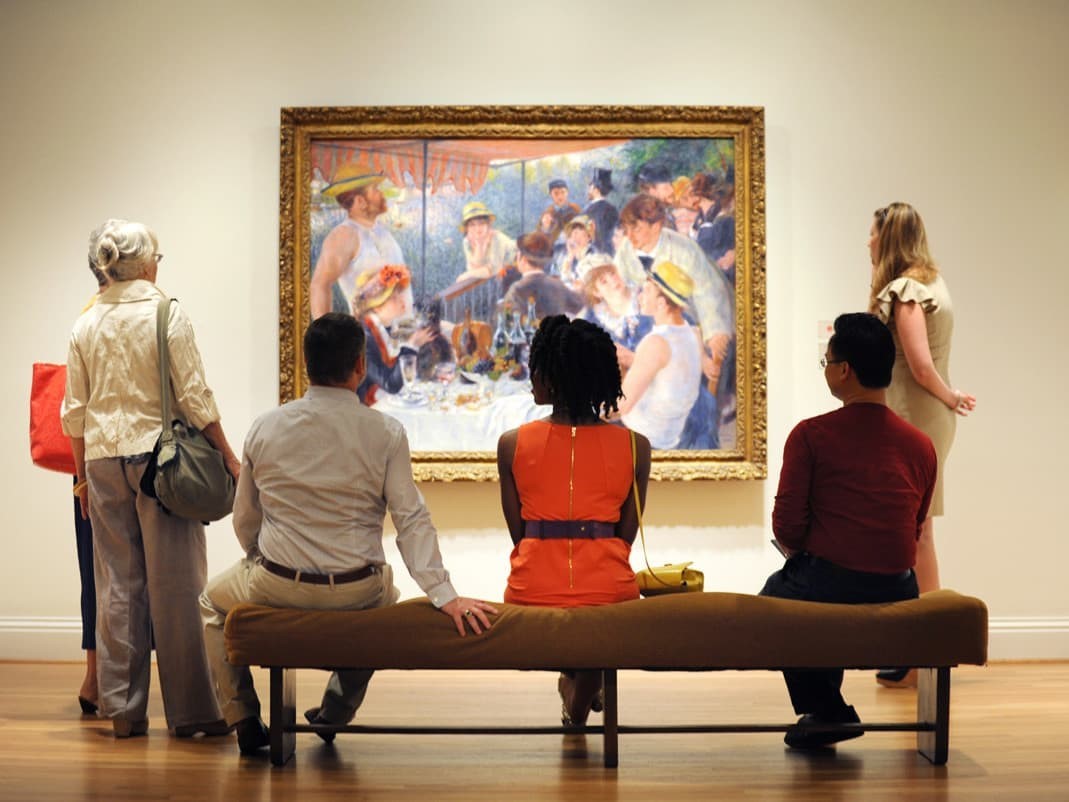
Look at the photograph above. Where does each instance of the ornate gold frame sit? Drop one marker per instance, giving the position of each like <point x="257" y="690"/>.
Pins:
<point x="745" y="125"/>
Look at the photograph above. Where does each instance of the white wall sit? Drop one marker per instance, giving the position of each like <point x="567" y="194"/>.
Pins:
<point x="168" y="113"/>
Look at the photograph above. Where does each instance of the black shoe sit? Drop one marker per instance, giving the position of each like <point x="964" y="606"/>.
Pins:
<point x="252" y="735"/>
<point x="88" y="708"/>
<point x="312" y="716"/>
<point x="897" y="677"/>
<point x="802" y="736"/>
<point x="598" y="704"/>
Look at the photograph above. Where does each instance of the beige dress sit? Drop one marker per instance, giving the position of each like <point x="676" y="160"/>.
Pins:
<point x="911" y="401"/>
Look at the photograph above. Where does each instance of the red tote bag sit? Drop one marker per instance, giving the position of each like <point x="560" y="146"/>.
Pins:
<point x="49" y="447"/>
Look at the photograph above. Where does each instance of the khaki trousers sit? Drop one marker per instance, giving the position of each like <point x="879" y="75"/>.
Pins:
<point x="150" y="569"/>
<point x="248" y="581"/>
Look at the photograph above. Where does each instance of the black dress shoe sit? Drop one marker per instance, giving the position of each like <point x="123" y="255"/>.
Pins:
<point x="252" y="735"/>
<point x="803" y="736"/>
<point x="312" y="716"/>
<point x="88" y="708"/>
<point x="897" y="677"/>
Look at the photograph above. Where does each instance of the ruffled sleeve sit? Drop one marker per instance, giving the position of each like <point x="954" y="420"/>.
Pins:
<point x="907" y="290"/>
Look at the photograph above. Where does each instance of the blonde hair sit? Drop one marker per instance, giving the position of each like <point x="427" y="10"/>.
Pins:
<point x="590" y="282"/>
<point x="122" y="249"/>
<point x="901" y="249"/>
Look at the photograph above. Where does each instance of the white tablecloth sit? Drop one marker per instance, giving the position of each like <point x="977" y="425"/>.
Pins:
<point x="444" y="426"/>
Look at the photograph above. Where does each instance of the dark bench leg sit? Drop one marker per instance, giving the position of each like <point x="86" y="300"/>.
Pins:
<point x="933" y="707"/>
<point x="283" y="714"/>
<point x="610" y="735"/>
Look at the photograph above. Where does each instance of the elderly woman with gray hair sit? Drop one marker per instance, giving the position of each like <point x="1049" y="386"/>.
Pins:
<point x="150" y="566"/>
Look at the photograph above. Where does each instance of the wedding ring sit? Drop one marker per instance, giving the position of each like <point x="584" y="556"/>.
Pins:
<point x="468" y="613"/>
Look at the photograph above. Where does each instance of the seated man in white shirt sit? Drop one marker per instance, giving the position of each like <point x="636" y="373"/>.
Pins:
<point x="318" y="476"/>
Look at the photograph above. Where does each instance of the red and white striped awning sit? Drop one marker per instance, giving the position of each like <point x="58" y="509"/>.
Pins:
<point x="463" y="163"/>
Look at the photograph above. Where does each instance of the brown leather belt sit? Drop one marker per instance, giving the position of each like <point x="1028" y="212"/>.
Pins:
<point x="558" y="530"/>
<point x="318" y="579"/>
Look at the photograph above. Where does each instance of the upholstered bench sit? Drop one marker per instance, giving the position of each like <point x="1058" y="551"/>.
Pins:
<point x="696" y="631"/>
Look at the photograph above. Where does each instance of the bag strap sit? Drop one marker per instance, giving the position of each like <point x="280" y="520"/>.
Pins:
<point x="638" y="509"/>
<point x="163" y="314"/>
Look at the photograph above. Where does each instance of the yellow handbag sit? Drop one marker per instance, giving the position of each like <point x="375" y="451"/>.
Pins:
<point x="668" y="578"/>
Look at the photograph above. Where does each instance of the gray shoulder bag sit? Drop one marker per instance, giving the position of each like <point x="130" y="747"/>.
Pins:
<point x="186" y="474"/>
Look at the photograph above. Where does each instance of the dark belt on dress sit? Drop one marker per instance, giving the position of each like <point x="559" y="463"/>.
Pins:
<point x="560" y="530"/>
<point x="318" y="579"/>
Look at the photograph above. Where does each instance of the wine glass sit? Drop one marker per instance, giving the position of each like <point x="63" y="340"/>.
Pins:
<point x="408" y="375"/>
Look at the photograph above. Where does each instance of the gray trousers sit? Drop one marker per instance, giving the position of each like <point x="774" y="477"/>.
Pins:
<point x="150" y="569"/>
<point x="247" y="581"/>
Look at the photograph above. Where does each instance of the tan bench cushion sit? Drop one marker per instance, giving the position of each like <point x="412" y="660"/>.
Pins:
<point x="696" y="630"/>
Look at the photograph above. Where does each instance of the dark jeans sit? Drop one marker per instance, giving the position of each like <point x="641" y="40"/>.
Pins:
<point x="83" y="537"/>
<point x="807" y="578"/>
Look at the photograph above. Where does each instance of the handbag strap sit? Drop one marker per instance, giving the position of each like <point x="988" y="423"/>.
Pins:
<point x="163" y="314"/>
<point x="638" y="509"/>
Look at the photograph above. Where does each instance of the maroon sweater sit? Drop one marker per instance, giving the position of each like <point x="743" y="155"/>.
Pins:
<point x="855" y="488"/>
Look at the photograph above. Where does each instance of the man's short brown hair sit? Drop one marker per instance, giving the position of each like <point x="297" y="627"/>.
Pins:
<point x="644" y="208"/>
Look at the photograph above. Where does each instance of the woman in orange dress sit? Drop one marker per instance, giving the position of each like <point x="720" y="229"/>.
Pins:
<point x="567" y="488"/>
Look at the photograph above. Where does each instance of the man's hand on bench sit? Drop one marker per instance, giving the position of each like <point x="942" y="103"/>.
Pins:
<point x="472" y="611"/>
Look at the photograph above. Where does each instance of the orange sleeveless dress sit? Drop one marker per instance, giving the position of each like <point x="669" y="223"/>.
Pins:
<point x="570" y="480"/>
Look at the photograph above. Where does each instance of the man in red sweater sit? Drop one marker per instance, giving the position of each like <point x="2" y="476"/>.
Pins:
<point x="854" y="490"/>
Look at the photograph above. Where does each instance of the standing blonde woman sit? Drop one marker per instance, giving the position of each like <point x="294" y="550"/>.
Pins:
<point x="909" y="294"/>
<point x="150" y="566"/>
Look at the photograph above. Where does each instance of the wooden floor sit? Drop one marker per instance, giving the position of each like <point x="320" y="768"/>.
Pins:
<point x="1009" y="741"/>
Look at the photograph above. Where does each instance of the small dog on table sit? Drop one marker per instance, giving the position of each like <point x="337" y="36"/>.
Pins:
<point x="438" y="349"/>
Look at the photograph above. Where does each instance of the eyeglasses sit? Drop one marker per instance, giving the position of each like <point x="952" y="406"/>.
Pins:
<point x="158" y="257"/>
<point x="824" y="361"/>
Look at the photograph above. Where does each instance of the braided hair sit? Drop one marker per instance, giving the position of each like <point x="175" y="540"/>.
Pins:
<point x="576" y="360"/>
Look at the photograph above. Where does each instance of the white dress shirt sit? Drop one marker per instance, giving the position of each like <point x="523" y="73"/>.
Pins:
<point x="113" y="373"/>
<point x="317" y="478"/>
<point x="712" y="302"/>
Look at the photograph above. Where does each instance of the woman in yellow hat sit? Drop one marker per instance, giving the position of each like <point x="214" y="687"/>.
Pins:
<point x="486" y="250"/>
<point x="382" y="297"/>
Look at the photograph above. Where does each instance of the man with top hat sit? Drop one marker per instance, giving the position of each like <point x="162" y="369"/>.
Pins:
<point x="361" y="242"/>
<point x="603" y="214"/>
<point x="486" y="250"/>
<point x="662" y="384"/>
<point x="561" y="209"/>
<point x="550" y="295"/>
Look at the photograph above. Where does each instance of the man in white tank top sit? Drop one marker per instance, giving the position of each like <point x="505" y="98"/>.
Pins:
<point x="662" y="383"/>
<point x="360" y="243"/>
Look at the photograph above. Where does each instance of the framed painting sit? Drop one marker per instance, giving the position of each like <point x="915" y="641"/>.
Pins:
<point x="451" y="231"/>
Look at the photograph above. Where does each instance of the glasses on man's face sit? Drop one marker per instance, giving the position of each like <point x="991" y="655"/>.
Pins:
<point x="158" y="257"/>
<point x="824" y="361"/>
